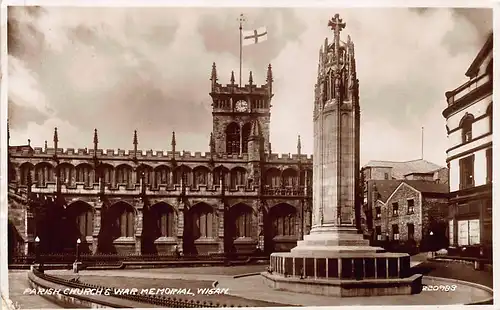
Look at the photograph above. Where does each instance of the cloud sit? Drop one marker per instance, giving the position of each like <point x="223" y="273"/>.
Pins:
<point x="120" y="69"/>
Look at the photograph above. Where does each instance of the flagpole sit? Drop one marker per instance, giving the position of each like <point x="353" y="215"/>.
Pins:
<point x="241" y="19"/>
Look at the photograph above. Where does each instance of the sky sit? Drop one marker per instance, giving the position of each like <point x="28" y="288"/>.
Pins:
<point x="148" y="69"/>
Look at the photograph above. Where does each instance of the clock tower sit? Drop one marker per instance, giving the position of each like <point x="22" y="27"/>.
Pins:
<point x="236" y="109"/>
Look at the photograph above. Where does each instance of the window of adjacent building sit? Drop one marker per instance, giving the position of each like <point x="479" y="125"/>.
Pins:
<point x="467" y="128"/>
<point x="450" y="232"/>
<point x="378" y="232"/>
<point x="395" y="232"/>
<point x="411" y="231"/>
<point x="378" y="213"/>
<point x="411" y="206"/>
<point x="466" y="172"/>
<point x="468" y="232"/>
<point x="489" y="165"/>
<point x="395" y="209"/>
<point x="386" y="176"/>
<point x="489" y="112"/>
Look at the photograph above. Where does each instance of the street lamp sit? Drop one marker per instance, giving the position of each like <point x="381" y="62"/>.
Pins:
<point x="78" y="241"/>
<point x="37" y="250"/>
<point x="431" y="244"/>
<point x="38" y="258"/>
<point x="77" y="259"/>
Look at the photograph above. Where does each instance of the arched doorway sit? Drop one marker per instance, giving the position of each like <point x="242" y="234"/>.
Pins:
<point x="118" y="223"/>
<point x="79" y="225"/>
<point x="281" y="228"/>
<point x="159" y="228"/>
<point x="200" y="229"/>
<point x="239" y="230"/>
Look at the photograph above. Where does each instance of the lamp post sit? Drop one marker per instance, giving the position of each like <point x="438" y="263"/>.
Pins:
<point x="38" y="258"/>
<point x="432" y="243"/>
<point x="77" y="258"/>
<point x="37" y="250"/>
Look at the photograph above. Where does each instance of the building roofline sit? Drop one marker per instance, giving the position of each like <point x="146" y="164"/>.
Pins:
<point x="474" y="67"/>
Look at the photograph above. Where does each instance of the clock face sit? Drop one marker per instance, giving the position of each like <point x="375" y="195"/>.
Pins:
<point x="241" y="106"/>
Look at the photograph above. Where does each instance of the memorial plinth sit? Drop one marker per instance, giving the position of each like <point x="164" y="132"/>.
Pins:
<point x="339" y="262"/>
<point x="334" y="259"/>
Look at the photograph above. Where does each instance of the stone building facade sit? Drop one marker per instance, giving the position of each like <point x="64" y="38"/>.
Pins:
<point x="410" y="211"/>
<point x="469" y="123"/>
<point x="236" y="198"/>
<point x="386" y="176"/>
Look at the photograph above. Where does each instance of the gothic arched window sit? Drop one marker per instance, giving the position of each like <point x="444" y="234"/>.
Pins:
<point x="233" y="139"/>
<point x="245" y="135"/>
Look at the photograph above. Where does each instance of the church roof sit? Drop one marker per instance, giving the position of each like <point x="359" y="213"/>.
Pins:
<point x="402" y="168"/>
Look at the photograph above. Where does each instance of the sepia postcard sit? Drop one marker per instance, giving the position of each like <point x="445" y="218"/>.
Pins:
<point x="186" y="155"/>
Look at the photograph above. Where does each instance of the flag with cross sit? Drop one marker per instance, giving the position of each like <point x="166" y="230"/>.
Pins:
<point x="255" y="36"/>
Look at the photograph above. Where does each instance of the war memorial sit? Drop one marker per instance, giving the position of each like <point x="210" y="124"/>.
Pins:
<point x="334" y="259"/>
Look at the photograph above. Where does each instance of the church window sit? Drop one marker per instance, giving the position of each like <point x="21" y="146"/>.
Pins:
<point x="284" y="219"/>
<point x="238" y="176"/>
<point x="244" y="137"/>
<point x="233" y="139"/>
<point x="165" y="223"/>
<point x="243" y="222"/>
<point x="203" y="222"/>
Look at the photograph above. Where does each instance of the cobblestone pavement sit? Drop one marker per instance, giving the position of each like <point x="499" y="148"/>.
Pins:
<point x="18" y="282"/>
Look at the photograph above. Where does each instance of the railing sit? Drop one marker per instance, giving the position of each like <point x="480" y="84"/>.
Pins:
<point x="167" y="302"/>
<point x="106" y="259"/>
<point x="467" y="88"/>
<point x="287" y="191"/>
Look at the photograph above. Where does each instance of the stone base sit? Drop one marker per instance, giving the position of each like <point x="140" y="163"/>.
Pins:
<point x="346" y="288"/>
<point x="337" y="261"/>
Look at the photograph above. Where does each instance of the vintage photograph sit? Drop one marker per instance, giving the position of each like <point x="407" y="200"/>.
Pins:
<point x="208" y="157"/>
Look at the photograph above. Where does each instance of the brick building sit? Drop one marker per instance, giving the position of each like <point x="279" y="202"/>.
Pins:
<point x="469" y="123"/>
<point x="387" y="176"/>
<point x="408" y="210"/>
<point x="235" y="198"/>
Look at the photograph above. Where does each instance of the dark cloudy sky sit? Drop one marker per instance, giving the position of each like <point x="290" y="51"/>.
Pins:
<point x="120" y="69"/>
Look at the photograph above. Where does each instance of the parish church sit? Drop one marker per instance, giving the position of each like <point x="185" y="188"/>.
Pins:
<point x="236" y="197"/>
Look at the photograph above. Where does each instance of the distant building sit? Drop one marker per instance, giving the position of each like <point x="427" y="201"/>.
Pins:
<point x="469" y="123"/>
<point x="408" y="210"/>
<point x="387" y="175"/>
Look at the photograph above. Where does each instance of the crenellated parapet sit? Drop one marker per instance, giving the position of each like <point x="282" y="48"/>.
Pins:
<point x="287" y="157"/>
<point x="38" y="153"/>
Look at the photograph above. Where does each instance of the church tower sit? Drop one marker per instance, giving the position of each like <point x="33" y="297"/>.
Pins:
<point x="336" y="156"/>
<point x="236" y="110"/>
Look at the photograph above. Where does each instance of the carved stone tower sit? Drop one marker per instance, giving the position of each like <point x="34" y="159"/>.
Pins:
<point x="336" y="133"/>
<point x="236" y="108"/>
<point x="335" y="259"/>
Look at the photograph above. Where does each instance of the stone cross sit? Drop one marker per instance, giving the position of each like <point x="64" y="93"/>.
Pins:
<point x="337" y="25"/>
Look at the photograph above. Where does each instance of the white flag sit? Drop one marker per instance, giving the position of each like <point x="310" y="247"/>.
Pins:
<point x="250" y="37"/>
